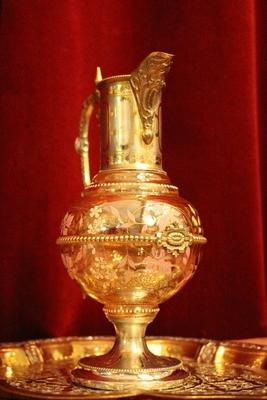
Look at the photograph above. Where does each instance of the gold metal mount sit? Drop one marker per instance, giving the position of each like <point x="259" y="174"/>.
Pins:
<point x="129" y="364"/>
<point x="175" y="241"/>
<point x="131" y="242"/>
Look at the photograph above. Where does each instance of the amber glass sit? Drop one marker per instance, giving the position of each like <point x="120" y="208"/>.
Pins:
<point x="135" y="270"/>
<point x="131" y="242"/>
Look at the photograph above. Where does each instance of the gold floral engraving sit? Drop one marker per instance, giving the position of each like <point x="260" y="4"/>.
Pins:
<point x="130" y="246"/>
<point x="22" y="373"/>
<point x="172" y="234"/>
<point x="120" y="90"/>
<point x="147" y="81"/>
<point x="204" y="382"/>
<point x="150" y="247"/>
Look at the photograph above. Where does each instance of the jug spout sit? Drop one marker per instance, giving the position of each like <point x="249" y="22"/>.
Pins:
<point x="147" y="81"/>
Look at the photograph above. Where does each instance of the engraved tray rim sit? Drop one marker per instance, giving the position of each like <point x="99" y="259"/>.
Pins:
<point x="245" y="355"/>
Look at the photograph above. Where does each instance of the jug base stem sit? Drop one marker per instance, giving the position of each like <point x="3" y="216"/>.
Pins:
<point x="129" y="365"/>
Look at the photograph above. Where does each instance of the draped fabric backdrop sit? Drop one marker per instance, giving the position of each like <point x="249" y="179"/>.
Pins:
<point x="213" y="141"/>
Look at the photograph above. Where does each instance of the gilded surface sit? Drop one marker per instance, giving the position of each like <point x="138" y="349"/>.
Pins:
<point x="82" y="142"/>
<point x="131" y="242"/>
<point x="147" y="81"/>
<point x="217" y="378"/>
<point x="158" y="257"/>
<point x="130" y="120"/>
<point x="130" y="253"/>
<point x="122" y="130"/>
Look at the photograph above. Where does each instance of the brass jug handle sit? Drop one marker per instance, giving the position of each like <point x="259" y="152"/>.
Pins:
<point x="82" y="142"/>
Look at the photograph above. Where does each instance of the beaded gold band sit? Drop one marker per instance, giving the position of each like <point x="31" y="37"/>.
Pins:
<point x="119" y="238"/>
<point x="175" y="241"/>
<point x="136" y="310"/>
<point x="105" y="238"/>
<point x="121" y="185"/>
<point x="120" y="371"/>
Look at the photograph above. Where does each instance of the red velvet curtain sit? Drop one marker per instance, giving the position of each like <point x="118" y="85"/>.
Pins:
<point x="213" y="139"/>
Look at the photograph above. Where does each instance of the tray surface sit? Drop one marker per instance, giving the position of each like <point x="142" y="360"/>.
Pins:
<point x="40" y="369"/>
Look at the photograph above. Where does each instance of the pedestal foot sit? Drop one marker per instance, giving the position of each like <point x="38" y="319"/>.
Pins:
<point x="129" y="364"/>
<point x="92" y="379"/>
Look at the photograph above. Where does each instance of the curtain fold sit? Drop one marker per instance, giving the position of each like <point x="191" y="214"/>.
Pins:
<point x="214" y="141"/>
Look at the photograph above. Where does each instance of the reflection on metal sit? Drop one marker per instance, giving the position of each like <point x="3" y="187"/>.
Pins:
<point x="216" y="370"/>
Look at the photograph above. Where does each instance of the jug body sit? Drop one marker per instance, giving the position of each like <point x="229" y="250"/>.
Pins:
<point x="131" y="242"/>
<point x="131" y="239"/>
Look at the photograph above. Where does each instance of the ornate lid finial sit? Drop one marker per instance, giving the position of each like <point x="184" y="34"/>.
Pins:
<point x="98" y="77"/>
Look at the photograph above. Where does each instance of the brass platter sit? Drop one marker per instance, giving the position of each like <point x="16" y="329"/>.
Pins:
<point x="39" y="369"/>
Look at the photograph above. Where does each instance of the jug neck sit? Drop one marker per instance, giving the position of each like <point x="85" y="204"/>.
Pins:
<point x="126" y="141"/>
